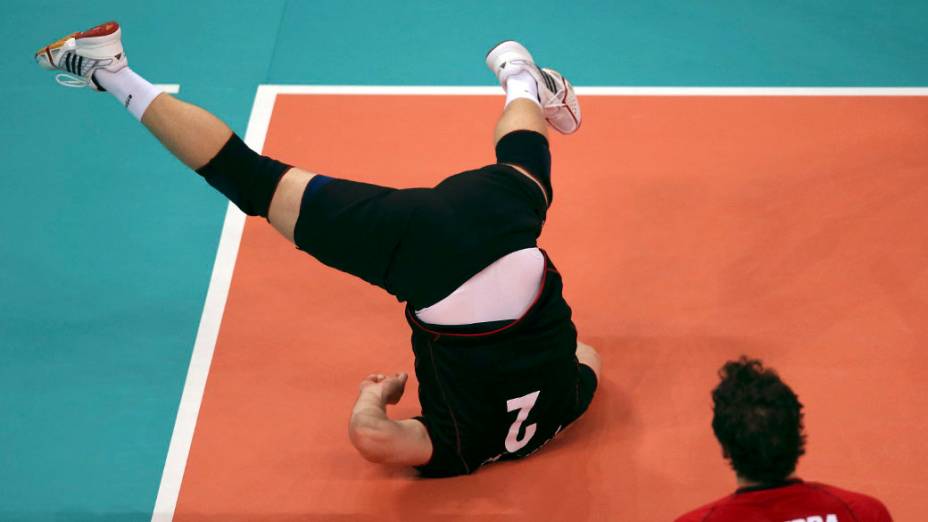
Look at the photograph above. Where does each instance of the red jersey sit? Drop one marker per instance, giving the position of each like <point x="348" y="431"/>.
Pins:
<point x="792" y="501"/>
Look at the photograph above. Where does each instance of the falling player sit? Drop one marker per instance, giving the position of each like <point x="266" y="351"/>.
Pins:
<point x="499" y="367"/>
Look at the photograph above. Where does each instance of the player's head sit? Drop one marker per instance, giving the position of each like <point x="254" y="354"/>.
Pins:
<point x="758" y="421"/>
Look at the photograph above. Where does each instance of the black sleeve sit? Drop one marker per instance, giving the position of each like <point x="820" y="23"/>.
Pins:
<point x="446" y="461"/>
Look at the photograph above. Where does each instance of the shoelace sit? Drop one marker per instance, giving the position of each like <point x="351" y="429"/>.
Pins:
<point x="69" y="80"/>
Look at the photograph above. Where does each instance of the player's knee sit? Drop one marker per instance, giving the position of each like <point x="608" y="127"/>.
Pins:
<point x="588" y="356"/>
<point x="247" y="178"/>
<point x="529" y="150"/>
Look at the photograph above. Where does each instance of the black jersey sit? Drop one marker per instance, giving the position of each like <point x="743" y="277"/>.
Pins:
<point x="488" y="391"/>
<point x="499" y="390"/>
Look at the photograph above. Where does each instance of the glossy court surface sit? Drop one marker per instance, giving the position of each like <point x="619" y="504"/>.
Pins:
<point x="692" y="228"/>
<point x="689" y="229"/>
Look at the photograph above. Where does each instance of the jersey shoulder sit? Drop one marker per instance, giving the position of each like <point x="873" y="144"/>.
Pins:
<point x="703" y="513"/>
<point x="860" y="504"/>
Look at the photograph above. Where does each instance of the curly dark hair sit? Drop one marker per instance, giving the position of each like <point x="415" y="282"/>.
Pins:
<point x="758" y="421"/>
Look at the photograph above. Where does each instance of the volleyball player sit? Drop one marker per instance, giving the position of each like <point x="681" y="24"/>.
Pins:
<point x="758" y="421"/>
<point x="499" y="367"/>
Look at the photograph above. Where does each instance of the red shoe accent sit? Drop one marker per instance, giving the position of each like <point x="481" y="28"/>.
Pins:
<point x="101" y="30"/>
<point x="55" y="45"/>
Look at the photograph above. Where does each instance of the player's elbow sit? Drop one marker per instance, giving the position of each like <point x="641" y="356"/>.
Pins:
<point x="371" y="439"/>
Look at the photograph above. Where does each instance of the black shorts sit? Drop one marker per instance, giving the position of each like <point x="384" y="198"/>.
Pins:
<point x="559" y="404"/>
<point x="420" y="244"/>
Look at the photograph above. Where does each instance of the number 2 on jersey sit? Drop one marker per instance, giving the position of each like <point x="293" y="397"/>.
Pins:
<point x="524" y="404"/>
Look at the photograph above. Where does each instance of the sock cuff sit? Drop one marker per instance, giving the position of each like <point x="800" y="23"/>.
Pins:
<point x="133" y="91"/>
<point x="522" y="85"/>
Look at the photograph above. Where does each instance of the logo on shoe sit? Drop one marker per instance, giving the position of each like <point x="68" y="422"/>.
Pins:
<point x="128" y="101"/>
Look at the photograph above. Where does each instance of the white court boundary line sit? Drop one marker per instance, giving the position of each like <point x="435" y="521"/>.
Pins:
<point x="234" y="224"/>
<point x="599" y="91"/>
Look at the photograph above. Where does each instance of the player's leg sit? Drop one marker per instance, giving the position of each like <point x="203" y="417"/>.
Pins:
<point x="520" y="113"/>
<point x="499" y="210"/>
<point x="535" y="98"/>
<point x="353" y="227"/>
<point x="197" y="138"/>
<point x="190" y="133"/>
<point x="202" y="141"/>
<point x="523" y="125"/>
<point x="96" y="58"/>
<point x="517" y="72"/>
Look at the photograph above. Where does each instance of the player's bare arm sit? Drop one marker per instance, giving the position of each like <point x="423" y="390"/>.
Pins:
<point x="379" y="438"/>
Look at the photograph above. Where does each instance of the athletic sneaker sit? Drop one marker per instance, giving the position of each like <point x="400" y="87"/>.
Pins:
<point x="556" y="94"/>
<point x="82" y="54"/>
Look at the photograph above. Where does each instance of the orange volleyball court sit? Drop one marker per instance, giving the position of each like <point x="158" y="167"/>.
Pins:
<point x="689" y="229"/>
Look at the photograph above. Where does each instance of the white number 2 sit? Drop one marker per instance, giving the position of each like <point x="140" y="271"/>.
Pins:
<point x="524" y="404"/>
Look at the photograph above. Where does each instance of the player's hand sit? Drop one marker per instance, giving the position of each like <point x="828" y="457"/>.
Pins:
<point x="390" y="387"/>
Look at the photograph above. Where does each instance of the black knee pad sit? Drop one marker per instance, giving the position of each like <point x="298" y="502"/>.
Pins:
<point x="247" y="178"/>
<point x="528" y="149"/>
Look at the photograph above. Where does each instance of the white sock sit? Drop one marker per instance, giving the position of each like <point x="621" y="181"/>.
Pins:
<point x="521" y="85"/>
<point x="133" y="91"/>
